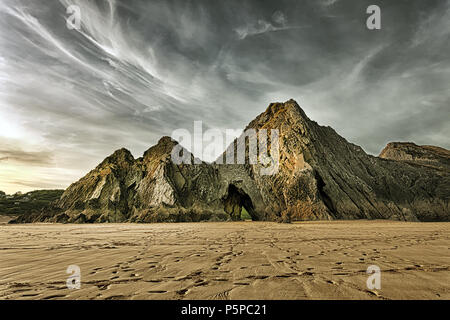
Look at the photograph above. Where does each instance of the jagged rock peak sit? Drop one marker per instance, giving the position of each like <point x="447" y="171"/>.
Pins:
<point x="164" y="146"/>
<point x="276" y="107"/>
<point x="119" y="156"/>
<point x="277" y="111"/>
<point x="166" y="140"/>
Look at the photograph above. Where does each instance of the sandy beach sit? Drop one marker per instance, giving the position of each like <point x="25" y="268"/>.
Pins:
<point x="232" y="260"/>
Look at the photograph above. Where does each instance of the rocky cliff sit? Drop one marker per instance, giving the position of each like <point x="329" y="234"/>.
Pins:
<point x="320" y="176"/>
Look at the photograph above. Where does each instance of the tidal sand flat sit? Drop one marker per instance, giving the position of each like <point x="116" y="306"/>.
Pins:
<point x="229" y="260"/>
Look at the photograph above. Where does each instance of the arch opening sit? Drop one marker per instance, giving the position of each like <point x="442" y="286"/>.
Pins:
<point x="238" y="204"/>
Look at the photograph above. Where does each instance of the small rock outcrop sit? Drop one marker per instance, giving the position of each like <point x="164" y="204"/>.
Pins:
<point x="320" y="176"/>
<point x="429" y="156"/>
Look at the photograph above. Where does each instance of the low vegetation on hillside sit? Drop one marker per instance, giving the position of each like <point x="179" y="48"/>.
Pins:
<point x="26" y="203"/>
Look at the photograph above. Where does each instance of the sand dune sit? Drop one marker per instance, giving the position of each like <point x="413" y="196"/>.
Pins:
<point x="241" y="260"/>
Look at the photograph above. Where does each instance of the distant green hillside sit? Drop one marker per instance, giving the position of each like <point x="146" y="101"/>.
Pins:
<point x="19" y="204"/>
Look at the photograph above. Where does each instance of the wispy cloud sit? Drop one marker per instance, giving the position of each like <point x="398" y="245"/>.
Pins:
<point x="24" y="157"/>
<point x="278" y="22"/>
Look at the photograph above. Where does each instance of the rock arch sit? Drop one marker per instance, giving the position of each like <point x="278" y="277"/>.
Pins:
<point x="235" y="200"/>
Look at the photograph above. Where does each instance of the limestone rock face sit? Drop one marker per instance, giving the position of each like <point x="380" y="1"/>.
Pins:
<point x="319" y="176"/>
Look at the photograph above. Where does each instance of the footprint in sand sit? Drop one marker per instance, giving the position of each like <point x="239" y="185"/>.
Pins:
<point x="29" y="294"/>
<point x="182" y="292"/>
<point x="103" y="286"/>
<point x="55" y="296"/>
<point x="261" y="277"/>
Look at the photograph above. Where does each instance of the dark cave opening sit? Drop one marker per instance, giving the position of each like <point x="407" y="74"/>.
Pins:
<point x="323" y="195"/>
<point x="236" y="201"/>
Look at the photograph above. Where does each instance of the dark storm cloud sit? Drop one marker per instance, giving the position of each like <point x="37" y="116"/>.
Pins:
<point x="140" y="69"/>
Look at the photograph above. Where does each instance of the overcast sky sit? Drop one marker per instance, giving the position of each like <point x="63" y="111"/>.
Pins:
<point x="137" y="70"/>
